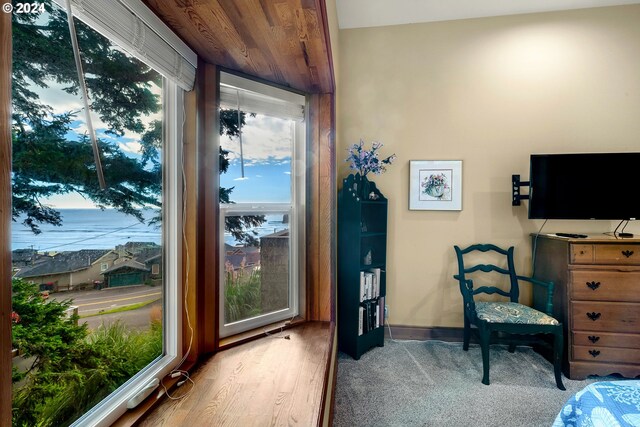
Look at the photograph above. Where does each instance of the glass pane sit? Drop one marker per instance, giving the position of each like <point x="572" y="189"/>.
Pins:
<point x="88" y="282"/>
<point x="259" y="160"/>
<point x="256" y="276"/>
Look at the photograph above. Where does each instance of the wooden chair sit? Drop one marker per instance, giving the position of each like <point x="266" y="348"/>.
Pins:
<point x="510" y="317"/>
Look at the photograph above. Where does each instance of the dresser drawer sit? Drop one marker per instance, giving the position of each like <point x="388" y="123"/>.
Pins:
<point x="605" y="285"/>
<point x="581" y="254"/>
<point x="605" y="316"/>
<point x="606" y="339"/>
<point x="605" y="354"/>
<point x="628" y="254"/>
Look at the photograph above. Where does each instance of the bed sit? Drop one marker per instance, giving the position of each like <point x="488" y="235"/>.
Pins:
<point x="603" y="404"/>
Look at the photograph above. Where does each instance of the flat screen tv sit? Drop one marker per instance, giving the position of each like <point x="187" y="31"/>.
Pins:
<point x="584" y="186"/>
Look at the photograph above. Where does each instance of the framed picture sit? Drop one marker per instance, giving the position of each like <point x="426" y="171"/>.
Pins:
<point x="435" y="185"/>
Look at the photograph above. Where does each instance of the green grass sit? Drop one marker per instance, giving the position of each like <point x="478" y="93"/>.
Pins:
<point x="242" y="295"/>
<point x="121" y="309"/>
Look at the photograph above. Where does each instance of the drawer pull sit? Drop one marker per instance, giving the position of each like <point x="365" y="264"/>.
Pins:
<point x="594" y="353"/>
<point x="594" y="316"/>
<point x="627" y="253"/>
<point x="593" y="338"/>
<point x="593" y="285"/>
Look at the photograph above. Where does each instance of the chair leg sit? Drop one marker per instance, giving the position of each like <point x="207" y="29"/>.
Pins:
<point x="467" y="333"/>
<point x="557" y="357"/>
<point x="512" y="347"/>
<point x="485" y="334"/>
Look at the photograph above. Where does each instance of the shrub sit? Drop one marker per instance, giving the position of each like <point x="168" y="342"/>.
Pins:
<point x="242" y="293"/>
<point x="72" y="369"/>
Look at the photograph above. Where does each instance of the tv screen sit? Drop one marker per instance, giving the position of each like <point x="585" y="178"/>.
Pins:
<point x="584" y="186"/>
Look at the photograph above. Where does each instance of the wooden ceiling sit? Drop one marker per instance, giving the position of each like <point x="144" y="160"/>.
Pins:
<point x="282" y="41"/>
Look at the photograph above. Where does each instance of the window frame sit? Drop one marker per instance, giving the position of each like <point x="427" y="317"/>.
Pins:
<point x="296" y="209"/>
<point x="110" y="409"/>
<point x="114" y="406"/>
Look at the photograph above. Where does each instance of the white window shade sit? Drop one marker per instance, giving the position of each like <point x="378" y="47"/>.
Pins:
<point x="255" y="97"/>
<point x="133" y="27"/>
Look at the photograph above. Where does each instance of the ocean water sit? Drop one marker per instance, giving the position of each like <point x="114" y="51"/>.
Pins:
<point x="97" y="229"/>
<point x="86" y="229"/>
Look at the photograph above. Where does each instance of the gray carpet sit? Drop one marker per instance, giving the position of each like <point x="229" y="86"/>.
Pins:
<point x="433" y="383"/>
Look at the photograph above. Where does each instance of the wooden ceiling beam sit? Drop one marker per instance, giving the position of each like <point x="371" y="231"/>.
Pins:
<point x="282" y="41"/>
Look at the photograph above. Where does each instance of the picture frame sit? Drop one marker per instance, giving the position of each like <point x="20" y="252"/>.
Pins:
<point x="435" y="185"/>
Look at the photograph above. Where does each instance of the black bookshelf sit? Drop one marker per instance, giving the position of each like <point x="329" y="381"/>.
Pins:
<point x="362" y="257"/>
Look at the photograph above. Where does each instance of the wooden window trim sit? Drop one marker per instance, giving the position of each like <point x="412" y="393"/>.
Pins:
<point x="5" y="217"/>
<point x="202" y="143"/>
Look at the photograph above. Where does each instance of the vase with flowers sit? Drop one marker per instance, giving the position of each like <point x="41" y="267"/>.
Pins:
<point x="365" y="161"/>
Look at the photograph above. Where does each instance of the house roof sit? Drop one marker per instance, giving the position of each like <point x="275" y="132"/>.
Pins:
<point x="64" y="262"/>
<point x="24" y="255"/>
<point x="250" y="259"/>
<point x="137" y="247"/>
<point x="240" y="250"/>
<point x="148" y="254"/>
<point x="132" y="264"/>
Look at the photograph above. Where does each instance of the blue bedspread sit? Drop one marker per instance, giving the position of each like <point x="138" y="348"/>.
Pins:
<point x="603" y="404"/>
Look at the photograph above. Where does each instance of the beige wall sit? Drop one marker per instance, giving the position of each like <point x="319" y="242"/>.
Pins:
<point x="489" y="92"/>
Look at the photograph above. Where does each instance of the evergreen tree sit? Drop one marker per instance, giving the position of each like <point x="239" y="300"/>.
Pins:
<point x="48" y="161"/>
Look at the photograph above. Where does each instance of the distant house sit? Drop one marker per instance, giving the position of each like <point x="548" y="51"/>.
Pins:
<point x="242" y="256"/>
<point x="151" y="257"/>
<point x="134" y="248"/>
<point x="143" y="268"/>
<point x="127" y="273"/>
<point x="72" y="270"/>
<point x="21" y="258"/>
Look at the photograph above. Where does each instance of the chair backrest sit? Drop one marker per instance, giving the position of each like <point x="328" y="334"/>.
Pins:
<point x="465" y="270"/>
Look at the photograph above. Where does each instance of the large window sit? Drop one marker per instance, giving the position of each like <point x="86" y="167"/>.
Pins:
<point x="95" y="291"/>
<point x="261" y="203"/>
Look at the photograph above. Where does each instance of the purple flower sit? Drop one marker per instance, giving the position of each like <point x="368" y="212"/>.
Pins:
<point x="365" y="161"/>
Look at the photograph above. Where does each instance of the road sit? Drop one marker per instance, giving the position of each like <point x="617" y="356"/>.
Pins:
<point x="94" y="302"/>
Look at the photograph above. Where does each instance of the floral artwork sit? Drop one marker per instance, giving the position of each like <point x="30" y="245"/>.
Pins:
<point x="364" y="161"/>
<point x="435" y="185"/>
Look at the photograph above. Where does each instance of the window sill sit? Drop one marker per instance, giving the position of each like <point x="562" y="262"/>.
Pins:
<point x="267" y="330"/>
<point x="133" y="416"/>
<point x="265" y="381"/>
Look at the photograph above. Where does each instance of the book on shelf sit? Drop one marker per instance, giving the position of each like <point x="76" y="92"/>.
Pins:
<point x="376" y="281"/>
<point x="369" y="284"/>
<point x="371" y="315"/>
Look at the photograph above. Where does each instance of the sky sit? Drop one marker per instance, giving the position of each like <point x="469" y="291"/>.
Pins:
<point x="266" y="143"/>
<point x="266" y="148"/>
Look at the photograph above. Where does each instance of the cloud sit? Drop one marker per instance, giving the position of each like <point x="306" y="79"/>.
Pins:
<point x="241" y="178"/>
<point x="131" y="147"/>
<point x="55" y="97"/>
<point x="287" y="173"/>
<point x="63" y="102"/>
<point x="264" y="140"/>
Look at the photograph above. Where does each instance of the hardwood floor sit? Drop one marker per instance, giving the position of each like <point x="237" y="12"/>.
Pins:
<point x="270" y="381"/>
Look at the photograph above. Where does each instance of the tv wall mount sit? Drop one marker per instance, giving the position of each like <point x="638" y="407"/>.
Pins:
<point x="516" y="197"/>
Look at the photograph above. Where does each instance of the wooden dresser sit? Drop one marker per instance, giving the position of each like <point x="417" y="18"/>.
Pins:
<point x="597" y="298"/>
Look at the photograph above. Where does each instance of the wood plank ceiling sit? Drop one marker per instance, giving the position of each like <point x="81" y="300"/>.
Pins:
<point x="282" y="41"/>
